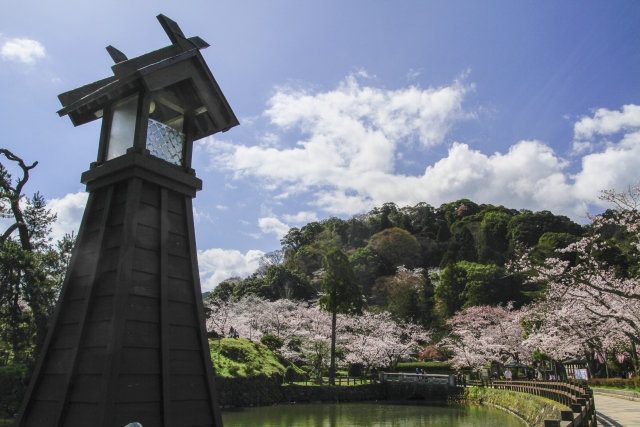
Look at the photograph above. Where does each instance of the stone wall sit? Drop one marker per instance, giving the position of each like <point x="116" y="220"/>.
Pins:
<point x="262" y="390"/>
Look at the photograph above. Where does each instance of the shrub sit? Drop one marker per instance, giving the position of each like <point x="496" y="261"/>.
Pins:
<point x="272" y="342"/>
<point x="631" y="383"/>
<point x="355" y="370"/>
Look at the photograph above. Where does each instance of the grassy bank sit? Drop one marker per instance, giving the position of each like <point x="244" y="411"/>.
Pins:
<point x="240" y="357"/>
<point x="533" y="409"/>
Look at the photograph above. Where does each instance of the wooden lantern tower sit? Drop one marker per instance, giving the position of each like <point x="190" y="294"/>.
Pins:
<point x="128" y="341"/>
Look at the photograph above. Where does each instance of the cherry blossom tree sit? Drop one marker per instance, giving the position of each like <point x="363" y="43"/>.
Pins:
<point x="375" y="339"/>
<point x="364" y="337"/>
<point x="401" y="339"/>
<point x="483" y="334"/>
<point x="565" y="332"/>
<point x="593" y="286"/>
<point x="305" y="330"/>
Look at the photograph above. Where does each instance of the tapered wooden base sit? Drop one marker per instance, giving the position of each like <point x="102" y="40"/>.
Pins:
<point x="128" y="340"/>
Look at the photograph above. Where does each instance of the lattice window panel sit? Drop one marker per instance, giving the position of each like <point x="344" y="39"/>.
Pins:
<point x="165" y="142"/>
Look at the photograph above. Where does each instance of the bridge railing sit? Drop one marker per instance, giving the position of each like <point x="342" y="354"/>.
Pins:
<point x="421" y="378"/>
<point x="576" y="396"/>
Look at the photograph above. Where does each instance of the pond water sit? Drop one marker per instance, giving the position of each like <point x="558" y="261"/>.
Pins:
<point x="367" y="414"/>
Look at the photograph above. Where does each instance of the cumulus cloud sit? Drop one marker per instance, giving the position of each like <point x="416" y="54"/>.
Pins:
<point x="351" y="133"/>
<point x="301" y="217"/>
<point x="69" y="209"/>
<point x="219" y="264"/>
<point x="273" y="225"/>
<point x="607" y="122"/>
<point x="350" y="140"/>
<point x="22" y="50"/>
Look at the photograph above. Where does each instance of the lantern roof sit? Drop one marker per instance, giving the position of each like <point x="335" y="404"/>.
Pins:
<point x="180" y="64"/>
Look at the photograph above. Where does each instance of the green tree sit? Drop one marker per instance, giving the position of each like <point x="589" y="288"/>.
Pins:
<point x="32" y="269"/>
<point x="493" y="241"/>
<point x="396" y="247"/>
<point x="367" y="266"/>
<point x="408" y="296"/>
<point x="278" y="282"/>
<point x="341" y="295"/>
<point x="449" y="293"/>
<point x="455" y="211"/>
<point x="225" y="289"/>
<point x="288" y="284"/>
<point x="462" y="248"/>
<point x="528" y="227"/>
<point x="254" y="285"/>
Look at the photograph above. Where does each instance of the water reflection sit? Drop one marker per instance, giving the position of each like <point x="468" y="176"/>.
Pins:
<point x="381" y="414"/>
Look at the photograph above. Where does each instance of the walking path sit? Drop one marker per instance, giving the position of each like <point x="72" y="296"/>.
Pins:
<point x="616" y="412"/>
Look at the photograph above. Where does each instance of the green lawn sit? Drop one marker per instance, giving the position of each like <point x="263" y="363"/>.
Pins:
<point x="240" y="357"/>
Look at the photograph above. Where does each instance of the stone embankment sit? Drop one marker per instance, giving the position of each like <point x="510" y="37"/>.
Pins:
<point x="532" y="410"/>
<point x="262" y="390"/>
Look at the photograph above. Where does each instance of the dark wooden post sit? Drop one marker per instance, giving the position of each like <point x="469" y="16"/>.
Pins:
<point x="128" y="340"/>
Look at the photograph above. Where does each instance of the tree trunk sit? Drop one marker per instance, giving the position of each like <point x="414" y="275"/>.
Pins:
<point x="332" y="366"/>
<point x="634" y="358"/>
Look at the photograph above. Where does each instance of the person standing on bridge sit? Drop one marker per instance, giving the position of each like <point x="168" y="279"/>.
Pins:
<point x="508" y="375"/>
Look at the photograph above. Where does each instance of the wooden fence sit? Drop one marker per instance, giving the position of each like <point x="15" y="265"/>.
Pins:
<point x="577" y="397"/>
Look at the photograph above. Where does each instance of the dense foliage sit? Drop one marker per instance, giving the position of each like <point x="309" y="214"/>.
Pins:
<point x="420" y="266"/>
<point x="420" y="263"/>
<point x="32" y="267"/>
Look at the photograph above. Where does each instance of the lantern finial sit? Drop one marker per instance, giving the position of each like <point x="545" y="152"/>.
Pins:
<point x="116" y="55"/>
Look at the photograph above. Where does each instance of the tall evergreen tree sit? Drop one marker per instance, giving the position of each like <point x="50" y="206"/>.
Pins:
<point x="342" y="295"/>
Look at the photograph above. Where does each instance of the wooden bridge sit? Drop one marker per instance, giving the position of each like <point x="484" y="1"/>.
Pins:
<point x="418" y="378"/>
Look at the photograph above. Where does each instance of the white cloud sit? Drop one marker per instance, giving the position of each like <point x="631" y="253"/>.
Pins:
<point x="412" y="74"/>
<point x="273" y="225"/>
<point x="219" y="264"/>
<point x="301" y="217"/>
<point x="198" y="216"/>
<point x="607" y="122"/>
<point x="270" y="139"/>
<point x="353" y="131"/>
<point x="70" y="209"/>
<point x="222" y="208"/>
<point x="350" y="140"/>
<point x="22" y="50"/>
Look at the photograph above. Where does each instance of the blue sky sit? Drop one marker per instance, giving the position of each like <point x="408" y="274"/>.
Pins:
<point x="347" y="105"/>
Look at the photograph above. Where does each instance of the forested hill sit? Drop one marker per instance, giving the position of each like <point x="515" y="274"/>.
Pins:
<point x="462" y="247"/>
